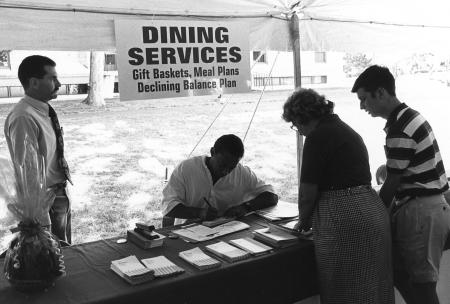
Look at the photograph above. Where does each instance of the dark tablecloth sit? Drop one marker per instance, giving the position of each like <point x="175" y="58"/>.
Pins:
<point x="284" y="276"/>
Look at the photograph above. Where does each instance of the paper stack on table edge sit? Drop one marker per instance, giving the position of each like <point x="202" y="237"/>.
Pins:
<point x="228" y="252"/>
<point x="251" y="246"/>
<point x="162" y="266"/>
<point x="131" y="270"/>
<point x="199" y="259"/>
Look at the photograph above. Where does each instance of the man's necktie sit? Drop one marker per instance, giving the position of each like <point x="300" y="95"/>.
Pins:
<point x="59" y="142"/>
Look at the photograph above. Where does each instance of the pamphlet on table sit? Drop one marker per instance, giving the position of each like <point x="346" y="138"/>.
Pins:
<point x="199" y="233"/>
<point x="199" y="259"/>
<point x="275" y="237"/>
<point x="162" y="266"/>
<point x="131" y="270"/>
<point x="251" y="246"/>
<point x="282" y="210"/>
<point x="228" y="252"/>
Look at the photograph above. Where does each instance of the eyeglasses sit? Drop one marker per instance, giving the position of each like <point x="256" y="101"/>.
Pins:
<point x="294" y="127"/>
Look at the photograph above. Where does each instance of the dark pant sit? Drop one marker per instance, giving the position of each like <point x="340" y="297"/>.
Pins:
<point x="60" y="216"/>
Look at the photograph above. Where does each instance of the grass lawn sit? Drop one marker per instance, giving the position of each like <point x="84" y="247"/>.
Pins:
<point x="119" y="154"/>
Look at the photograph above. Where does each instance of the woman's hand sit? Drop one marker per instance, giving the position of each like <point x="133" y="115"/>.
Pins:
<point x="303" y="226"/>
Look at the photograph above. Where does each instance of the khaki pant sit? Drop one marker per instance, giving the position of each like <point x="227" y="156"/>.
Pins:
<point x="60" y="215"/>
<point x="420" y="229"/>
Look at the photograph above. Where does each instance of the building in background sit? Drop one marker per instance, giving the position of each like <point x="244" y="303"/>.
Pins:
<point x="273" y="69"/>
<point x="72" y="68"/>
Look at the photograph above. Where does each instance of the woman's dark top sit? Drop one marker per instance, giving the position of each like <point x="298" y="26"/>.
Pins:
<point x="335" y="156"/>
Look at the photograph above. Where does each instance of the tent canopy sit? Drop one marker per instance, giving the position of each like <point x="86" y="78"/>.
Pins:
<point x="376" y="26"/>
<point x="339" y="25"/>
<point x="89" y="25"/>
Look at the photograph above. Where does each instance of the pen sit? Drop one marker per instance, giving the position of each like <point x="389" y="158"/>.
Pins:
<point x="188" y="225"/>
<point x="206" y="201"/>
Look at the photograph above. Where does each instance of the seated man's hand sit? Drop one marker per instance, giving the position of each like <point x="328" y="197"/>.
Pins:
<point x="236" y="211"/>
<point x="208" y="213"/>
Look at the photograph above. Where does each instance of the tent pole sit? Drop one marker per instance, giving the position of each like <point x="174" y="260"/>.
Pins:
<point x="295" y="40"/>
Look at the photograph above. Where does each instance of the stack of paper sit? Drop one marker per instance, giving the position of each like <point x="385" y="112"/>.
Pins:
<point x="282" y="210"/>
<point x="199" y="259"/>
<point x="132" y="270"/>
<point x="228" y="252"/>
<point x="275" y="237"/>
<point x="251" y="246"/>
<point x="199" y="233"/>
<point x="217" y="221"/>
<point x="230" y="227"/>
<point x="162" y="266"/>
<point x="289" y="227"/>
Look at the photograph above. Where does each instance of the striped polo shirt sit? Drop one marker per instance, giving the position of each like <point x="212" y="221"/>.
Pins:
<point x="412" y="150"/>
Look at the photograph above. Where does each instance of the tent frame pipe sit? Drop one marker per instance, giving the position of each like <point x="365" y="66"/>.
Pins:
<point x="295" y="41"/>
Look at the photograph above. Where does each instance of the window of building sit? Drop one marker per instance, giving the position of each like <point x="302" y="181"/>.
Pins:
<point x="314" y="79"/>
<point x="110" y="62"/>
<point x="4" y="60"/>
<point x="259" y="56"/>
<point x="306" y="80"/>
<point x="320" y="57"/>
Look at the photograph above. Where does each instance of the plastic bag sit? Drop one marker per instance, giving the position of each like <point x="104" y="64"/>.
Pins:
<point x="33" y="260"/>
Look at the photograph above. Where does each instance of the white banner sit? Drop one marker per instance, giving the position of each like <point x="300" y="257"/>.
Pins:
<point x="159" y="59"/>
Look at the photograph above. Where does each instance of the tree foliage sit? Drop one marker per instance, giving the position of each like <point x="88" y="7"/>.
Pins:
<point x="4" y="58"/>
<point x="355" y="64"/>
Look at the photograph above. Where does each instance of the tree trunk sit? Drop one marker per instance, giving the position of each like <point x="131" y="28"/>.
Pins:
<point x="97" y="66"/>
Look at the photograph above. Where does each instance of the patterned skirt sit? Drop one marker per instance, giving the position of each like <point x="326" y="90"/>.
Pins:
<point x="353" y="247"/>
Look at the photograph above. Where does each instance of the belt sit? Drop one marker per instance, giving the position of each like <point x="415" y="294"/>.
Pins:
<point x="60" y="188"/>
<point x="399" y="203"/>
<point x="333" y="188"/>
<point x="346" y="191"/>
<point x="60" y="185"/>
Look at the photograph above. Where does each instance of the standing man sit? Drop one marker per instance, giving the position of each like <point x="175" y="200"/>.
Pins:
<point x="33" y="119"/>
<point x="413" y="188"/>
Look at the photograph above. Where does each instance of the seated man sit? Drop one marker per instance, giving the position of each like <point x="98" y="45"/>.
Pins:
<point x="208" y="187"/>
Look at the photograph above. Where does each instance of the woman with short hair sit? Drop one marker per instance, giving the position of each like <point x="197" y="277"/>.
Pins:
<point x="349" y="221"/>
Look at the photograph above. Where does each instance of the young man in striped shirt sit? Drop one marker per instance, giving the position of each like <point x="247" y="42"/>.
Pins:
<point x="413" y="188"/>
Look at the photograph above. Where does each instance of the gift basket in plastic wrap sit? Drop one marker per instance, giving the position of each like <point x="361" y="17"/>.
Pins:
<point x="33" y="259"/>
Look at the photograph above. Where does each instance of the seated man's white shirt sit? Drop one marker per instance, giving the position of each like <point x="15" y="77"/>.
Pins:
<point x="191" y="182"/>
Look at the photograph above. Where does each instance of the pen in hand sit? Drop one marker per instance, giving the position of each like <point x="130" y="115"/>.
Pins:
<point x="206" y="201"/>
<point x="210" y="211"/>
